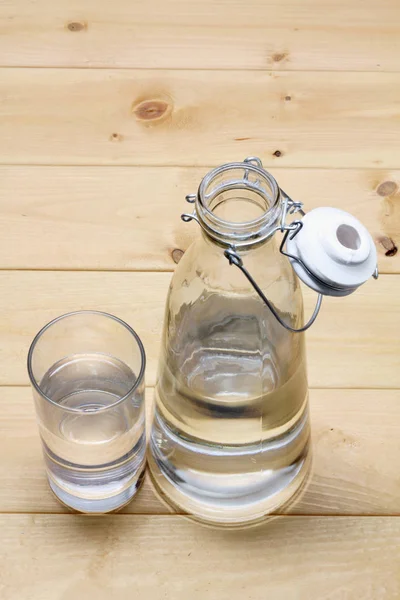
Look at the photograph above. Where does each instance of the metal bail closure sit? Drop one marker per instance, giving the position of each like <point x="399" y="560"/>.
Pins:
<point x="332" y="252"/>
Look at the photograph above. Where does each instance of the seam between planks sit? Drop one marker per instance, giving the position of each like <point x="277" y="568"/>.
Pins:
<point x="310" y="387"/>
<point x="185" y="516"/>
<point x="182" y="166"/>
<point x="198" y="69"/>
<point x="186" y="166"/>
<point x="119" y="270"/>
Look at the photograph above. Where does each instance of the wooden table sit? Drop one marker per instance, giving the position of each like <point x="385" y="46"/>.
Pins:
<point x="110" y="112"/>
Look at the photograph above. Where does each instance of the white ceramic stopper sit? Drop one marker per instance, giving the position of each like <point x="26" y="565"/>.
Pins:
<point x="336" y="248"/>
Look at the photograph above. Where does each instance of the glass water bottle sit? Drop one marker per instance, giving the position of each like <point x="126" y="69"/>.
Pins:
<point x="230" y="439"/>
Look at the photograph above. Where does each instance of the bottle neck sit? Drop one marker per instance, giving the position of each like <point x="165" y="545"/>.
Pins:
<point x="239" y="205"/>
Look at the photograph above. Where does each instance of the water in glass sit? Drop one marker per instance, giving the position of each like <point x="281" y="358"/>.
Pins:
<point x="94" y="455"/>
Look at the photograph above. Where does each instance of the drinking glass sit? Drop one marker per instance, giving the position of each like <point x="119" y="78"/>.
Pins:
<point x="87" y="374"/>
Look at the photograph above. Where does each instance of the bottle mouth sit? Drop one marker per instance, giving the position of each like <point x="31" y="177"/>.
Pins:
<point x="238" y="204"/>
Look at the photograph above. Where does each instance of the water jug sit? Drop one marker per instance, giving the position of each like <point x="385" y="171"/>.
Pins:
<point x="230" y="435"/>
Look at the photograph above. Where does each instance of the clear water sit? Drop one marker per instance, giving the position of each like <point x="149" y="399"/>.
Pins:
<point x="230" y="436"/>
<point x="95" y="458"/>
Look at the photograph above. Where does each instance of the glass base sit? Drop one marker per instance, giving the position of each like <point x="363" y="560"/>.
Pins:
<point x="98" y="505"/>
<point x="204" y="513"/>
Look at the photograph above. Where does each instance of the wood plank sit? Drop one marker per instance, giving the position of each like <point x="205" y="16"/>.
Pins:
<point x="142" y="117"/>
<point x="355" y="341"/>
<point x="354" y="433"/>
<point x="128" y="217"/>
<point x="202" y="34"/>
<point x="164" y="557"/>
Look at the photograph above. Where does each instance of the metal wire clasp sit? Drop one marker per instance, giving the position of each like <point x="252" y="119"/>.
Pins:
<point x="234" y="259"/>
<point x="291" y="229"/>
<point x="289" y="207"/>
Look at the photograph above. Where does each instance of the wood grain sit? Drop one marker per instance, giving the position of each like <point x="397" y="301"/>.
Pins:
<point x="142" y="117"/>
<point x="355" y="341"/>
<point x="127" y="218"/>
<point x="202" y="34"/>
<point x="129" y="103"/>
<point x="354" y="432"/>
<point x="295" y="558"/>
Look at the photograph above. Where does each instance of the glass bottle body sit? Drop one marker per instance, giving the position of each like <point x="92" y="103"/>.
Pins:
<point x="230" y="436"/>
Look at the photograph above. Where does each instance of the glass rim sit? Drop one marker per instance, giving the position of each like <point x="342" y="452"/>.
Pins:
<point x="100" y="313"/>
<point x="207" y="179"/>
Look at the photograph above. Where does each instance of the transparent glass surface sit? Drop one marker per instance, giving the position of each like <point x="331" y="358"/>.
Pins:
<point x="87" y="374"/>
<point x="230" y="432"/>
